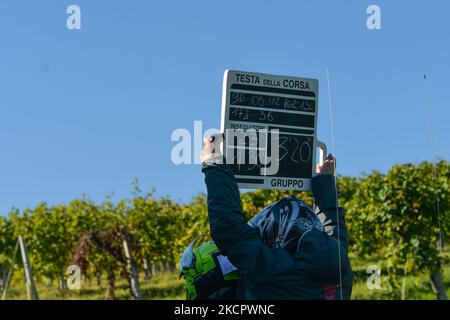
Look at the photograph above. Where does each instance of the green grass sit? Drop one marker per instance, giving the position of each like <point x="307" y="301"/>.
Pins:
<point x="168" y="286"/>
<point x="161" y="286"/>
<point x="416" y="287"/>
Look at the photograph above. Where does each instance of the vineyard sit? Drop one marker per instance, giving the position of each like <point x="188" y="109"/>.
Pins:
<point x="398" y="221"/>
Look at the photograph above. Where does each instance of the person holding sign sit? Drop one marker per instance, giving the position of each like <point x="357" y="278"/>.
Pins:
<point x="285" y="251"/>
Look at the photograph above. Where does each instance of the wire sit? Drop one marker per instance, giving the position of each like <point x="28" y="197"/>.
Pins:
<point x="335" y="183"/>
<point x="433" y="148"/>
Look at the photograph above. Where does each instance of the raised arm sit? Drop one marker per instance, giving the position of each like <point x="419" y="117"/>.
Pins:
<point x="326" y="202"/>
<point x="232" y="235"/>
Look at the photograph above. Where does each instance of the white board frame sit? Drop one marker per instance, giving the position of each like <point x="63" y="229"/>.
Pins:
<point x="225" y="124"/>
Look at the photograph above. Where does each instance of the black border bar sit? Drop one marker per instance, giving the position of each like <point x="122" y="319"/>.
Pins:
<point x="273" y="90"/>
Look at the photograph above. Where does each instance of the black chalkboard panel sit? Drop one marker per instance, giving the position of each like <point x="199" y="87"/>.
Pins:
<point x="295" y="154"/>
<point x="271" y="102"/>
<point x="271" y="117"/>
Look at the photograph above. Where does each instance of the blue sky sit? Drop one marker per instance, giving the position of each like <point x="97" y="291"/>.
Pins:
<point x="86" y="111"/>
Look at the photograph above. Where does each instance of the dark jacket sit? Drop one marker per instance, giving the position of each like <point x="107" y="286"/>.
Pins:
<point x="266" y="273"/>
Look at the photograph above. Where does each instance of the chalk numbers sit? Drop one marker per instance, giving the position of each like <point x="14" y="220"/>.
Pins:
<point x="264" y="115"/>
<point x="300" y="105"/>
<point x="264" y="101"/>
<point x="293" y="150"/>
<point x="246" y="114"/>
<point x="237" y="98"/>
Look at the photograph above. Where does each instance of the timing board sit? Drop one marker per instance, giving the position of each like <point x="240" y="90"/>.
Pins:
<point x="270" y="126"/>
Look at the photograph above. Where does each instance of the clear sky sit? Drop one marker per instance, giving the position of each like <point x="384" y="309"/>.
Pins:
<point x="86" y="111"/>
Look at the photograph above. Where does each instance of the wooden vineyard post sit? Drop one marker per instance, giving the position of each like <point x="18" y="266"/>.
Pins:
<point x="147" y="270"/>
<point x="8" y="277"/>
<point x="31" y="288"/>
<point x="134" y="277"/>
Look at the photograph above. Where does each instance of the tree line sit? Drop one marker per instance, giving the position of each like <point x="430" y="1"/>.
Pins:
<point x="402" y="217"/>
